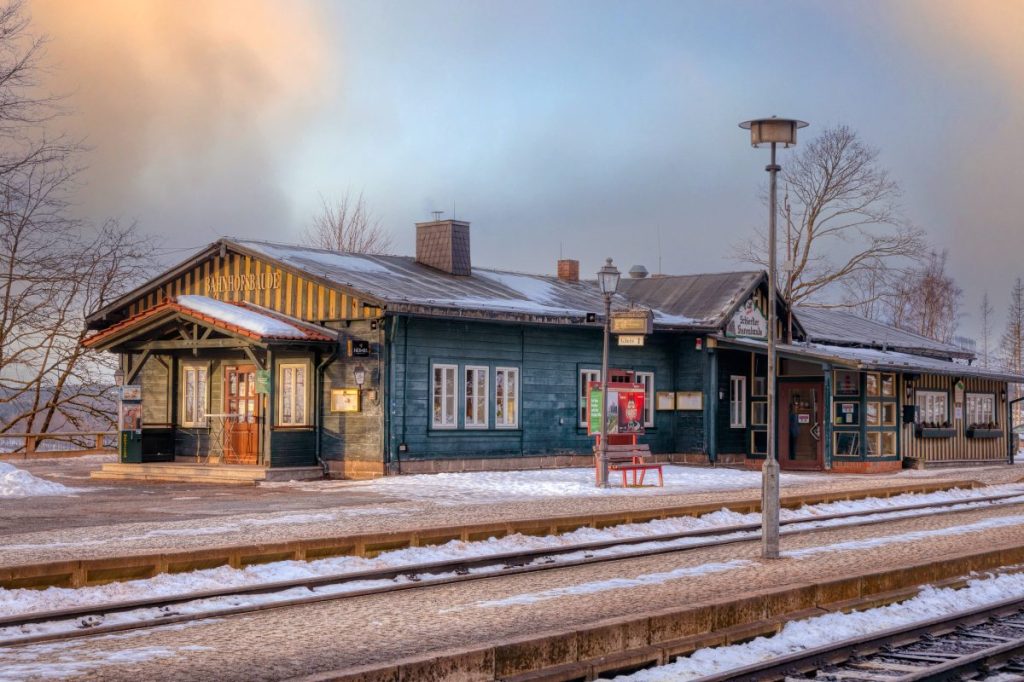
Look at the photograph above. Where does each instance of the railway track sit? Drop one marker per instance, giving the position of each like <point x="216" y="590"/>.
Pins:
<point x="975" y="644"/>
<point x="106" y="618"/>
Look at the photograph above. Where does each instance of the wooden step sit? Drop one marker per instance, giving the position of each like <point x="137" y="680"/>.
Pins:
<point x="203" y="473"/>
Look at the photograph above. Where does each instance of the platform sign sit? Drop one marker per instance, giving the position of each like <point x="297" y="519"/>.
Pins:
<point x="631" y="339"/>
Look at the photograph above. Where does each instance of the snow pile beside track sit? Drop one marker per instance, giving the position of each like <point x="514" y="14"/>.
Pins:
<point x="15" y="482"/>
<point x="823" y="630"/>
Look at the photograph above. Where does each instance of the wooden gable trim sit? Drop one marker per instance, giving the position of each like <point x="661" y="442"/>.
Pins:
<point x="249" y="277"/>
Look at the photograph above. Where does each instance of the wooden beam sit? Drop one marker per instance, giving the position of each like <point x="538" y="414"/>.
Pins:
<point x="190" y="345"/>
<point x="134" y="371"/>
<point x="252" y="356"/>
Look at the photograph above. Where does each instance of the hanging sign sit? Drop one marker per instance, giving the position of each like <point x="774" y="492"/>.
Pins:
<point x="263" y="381"/>
<point x="632" y="321"/>
<point x="358" y="348"/>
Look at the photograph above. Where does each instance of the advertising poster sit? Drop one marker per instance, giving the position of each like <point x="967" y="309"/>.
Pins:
<point x="625" y="409"/>
<point x="131" y="416"/>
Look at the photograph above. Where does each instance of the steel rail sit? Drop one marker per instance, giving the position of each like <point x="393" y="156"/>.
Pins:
<point x="810" y="660"/>
<point x="454" y="571"/>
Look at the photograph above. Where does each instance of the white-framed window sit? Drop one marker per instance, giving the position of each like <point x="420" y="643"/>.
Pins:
<point x="475" y="381"/>
<point x="933" y="407"/>
<point x="737" y="402"/>
<point x="586" y="376"/>
<point x="759" y="413"/>
<point x="506" y="397"/>
<point x="291" y="394"/>
<point x="194" y="395"/>
<point x="981" y="409"/>
<point x="647" y="379"/>
<point x="443" y="395"/>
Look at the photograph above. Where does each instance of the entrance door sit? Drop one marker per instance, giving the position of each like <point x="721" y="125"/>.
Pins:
<point x="801" y="412"/>
<point x="241" y="431"/>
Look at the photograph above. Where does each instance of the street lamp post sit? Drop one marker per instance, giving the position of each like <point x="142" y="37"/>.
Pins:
<point x="771" y="131"/>
<point x="608" y="281"/>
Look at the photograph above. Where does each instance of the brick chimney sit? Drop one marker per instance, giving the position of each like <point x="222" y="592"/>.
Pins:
<point x="444" y="245"/>
<point x="568" y="270"/>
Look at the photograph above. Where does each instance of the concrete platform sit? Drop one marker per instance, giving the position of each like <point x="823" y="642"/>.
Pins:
<point x="196" y="472"/>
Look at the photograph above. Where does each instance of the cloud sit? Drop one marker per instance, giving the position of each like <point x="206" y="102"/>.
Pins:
<point x="188" y="108"/>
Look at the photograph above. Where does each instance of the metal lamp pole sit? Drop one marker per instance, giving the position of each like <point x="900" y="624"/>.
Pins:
<point x="771" y="131"/>
<point x="608" y="281"/>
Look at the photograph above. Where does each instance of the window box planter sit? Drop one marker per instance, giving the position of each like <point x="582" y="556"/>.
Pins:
<point x="984" y="433"/>
<point x="923" y="432"/>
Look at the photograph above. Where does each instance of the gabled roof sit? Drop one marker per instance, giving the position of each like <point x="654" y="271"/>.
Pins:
<point x="841" y="328"/>
<point x="708" y="300"/>
<point x="240" y="319"/>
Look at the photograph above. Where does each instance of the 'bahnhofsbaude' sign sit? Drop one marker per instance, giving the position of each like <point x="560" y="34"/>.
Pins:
<point x="748" y="321"/>
<point x="249" y="282"/>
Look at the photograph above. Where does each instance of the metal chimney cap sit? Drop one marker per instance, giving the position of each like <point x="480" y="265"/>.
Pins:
<point x="638" y="272"/>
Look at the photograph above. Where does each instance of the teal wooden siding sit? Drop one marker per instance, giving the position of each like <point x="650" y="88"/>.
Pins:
<point x="731" y="363"/>
<point x="293" y="448"/>
<point x="549" y="360"/>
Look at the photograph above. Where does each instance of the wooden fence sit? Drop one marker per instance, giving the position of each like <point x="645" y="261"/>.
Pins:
<point x="58" y="444"/>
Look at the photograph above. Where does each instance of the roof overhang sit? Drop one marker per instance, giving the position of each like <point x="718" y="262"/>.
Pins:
<point x="869" y="359"/>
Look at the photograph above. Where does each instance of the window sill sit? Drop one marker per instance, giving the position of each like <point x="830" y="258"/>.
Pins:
<point x="292" y="427"/>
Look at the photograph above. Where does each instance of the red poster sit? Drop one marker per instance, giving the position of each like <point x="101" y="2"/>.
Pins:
<point x="631" y="411"/>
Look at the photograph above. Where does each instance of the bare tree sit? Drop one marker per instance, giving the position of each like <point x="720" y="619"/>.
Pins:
<point x="1012" y="343"/>
<point x="926" y="300"/>
<point x="986" y="329"/>
<point x="54" y="269"/>
<point x="842" y="219"/>
<point x="347" y="226"/>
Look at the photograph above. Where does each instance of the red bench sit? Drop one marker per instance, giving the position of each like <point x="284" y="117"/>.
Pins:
<point x="630" y="458"/>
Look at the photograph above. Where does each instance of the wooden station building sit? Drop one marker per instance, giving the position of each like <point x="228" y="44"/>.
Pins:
<point x="288" y="357"/>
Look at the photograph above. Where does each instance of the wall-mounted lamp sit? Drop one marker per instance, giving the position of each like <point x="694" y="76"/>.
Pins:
<point x="118" y="377"/>
<point x="1002" y="394"/>
<point x="360" y="376"/>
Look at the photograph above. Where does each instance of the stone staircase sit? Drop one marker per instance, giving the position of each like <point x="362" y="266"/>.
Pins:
<point x="195" y="472"/>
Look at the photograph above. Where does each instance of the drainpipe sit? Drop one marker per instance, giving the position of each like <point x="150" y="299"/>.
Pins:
<point x="318" y="400"/>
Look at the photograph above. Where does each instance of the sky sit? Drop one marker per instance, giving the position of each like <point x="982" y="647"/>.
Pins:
<point x="582" y="128"/>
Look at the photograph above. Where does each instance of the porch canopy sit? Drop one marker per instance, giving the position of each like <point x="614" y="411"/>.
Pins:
<point x="195" y="323"/>
<point x="873" y="359"/>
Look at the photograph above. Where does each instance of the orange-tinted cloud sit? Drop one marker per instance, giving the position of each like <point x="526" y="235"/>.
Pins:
<point x="185" y="104"/>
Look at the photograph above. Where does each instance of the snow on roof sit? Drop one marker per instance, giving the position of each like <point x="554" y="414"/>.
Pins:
<point x="403" y="284"/>
<point x="703" y="300"/>
<point x="839" y="327"/>
<point x="256" y="322"/>
<point x="883" y="360"/>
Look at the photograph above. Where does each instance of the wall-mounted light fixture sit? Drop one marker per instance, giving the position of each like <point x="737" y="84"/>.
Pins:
<point x="360" y="376"/>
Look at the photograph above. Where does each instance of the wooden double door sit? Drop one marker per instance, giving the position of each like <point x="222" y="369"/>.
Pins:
<point x="242" y="428"/>
<point x="801" y="425"/>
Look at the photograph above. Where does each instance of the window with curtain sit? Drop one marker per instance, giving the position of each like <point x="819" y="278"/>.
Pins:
<point x="291" y="391"/>
<point x="194" y="395"/>
<point x="647" y="379"/>
<point x="475" y="380"/>
<point x="443" y="392"/>
<point x="933" y="407"/>
<point x="586" y="376"/>
<point x="737" y="402"/>
<point x="506" y="397"/>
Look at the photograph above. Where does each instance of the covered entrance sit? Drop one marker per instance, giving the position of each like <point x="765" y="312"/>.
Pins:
<point x="801" y="411"/>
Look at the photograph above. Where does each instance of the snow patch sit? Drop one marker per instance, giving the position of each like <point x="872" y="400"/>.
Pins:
<point x="801" y="635"/>
<point x="258" y="323"/>
<point x="15" y="482"/>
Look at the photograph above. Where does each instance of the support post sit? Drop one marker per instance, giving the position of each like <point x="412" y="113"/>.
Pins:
<point x="770" y="470"/>
<point x="602" y="480"/>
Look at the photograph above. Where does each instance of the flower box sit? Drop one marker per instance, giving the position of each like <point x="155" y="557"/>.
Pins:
<point x="984" y="433"/>
<point x="929" y="432"/>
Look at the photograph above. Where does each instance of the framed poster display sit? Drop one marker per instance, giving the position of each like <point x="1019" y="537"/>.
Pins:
<point x="845" y="383"/>
<point x="665" y="400"/>
<point x="689" y="400"/>
<point x="344" y="400"/>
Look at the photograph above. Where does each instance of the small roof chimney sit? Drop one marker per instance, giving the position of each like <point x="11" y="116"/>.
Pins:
<point x="444" y="245"/>
<point x="568" y="270"/>
<point x="638" y="272"/>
